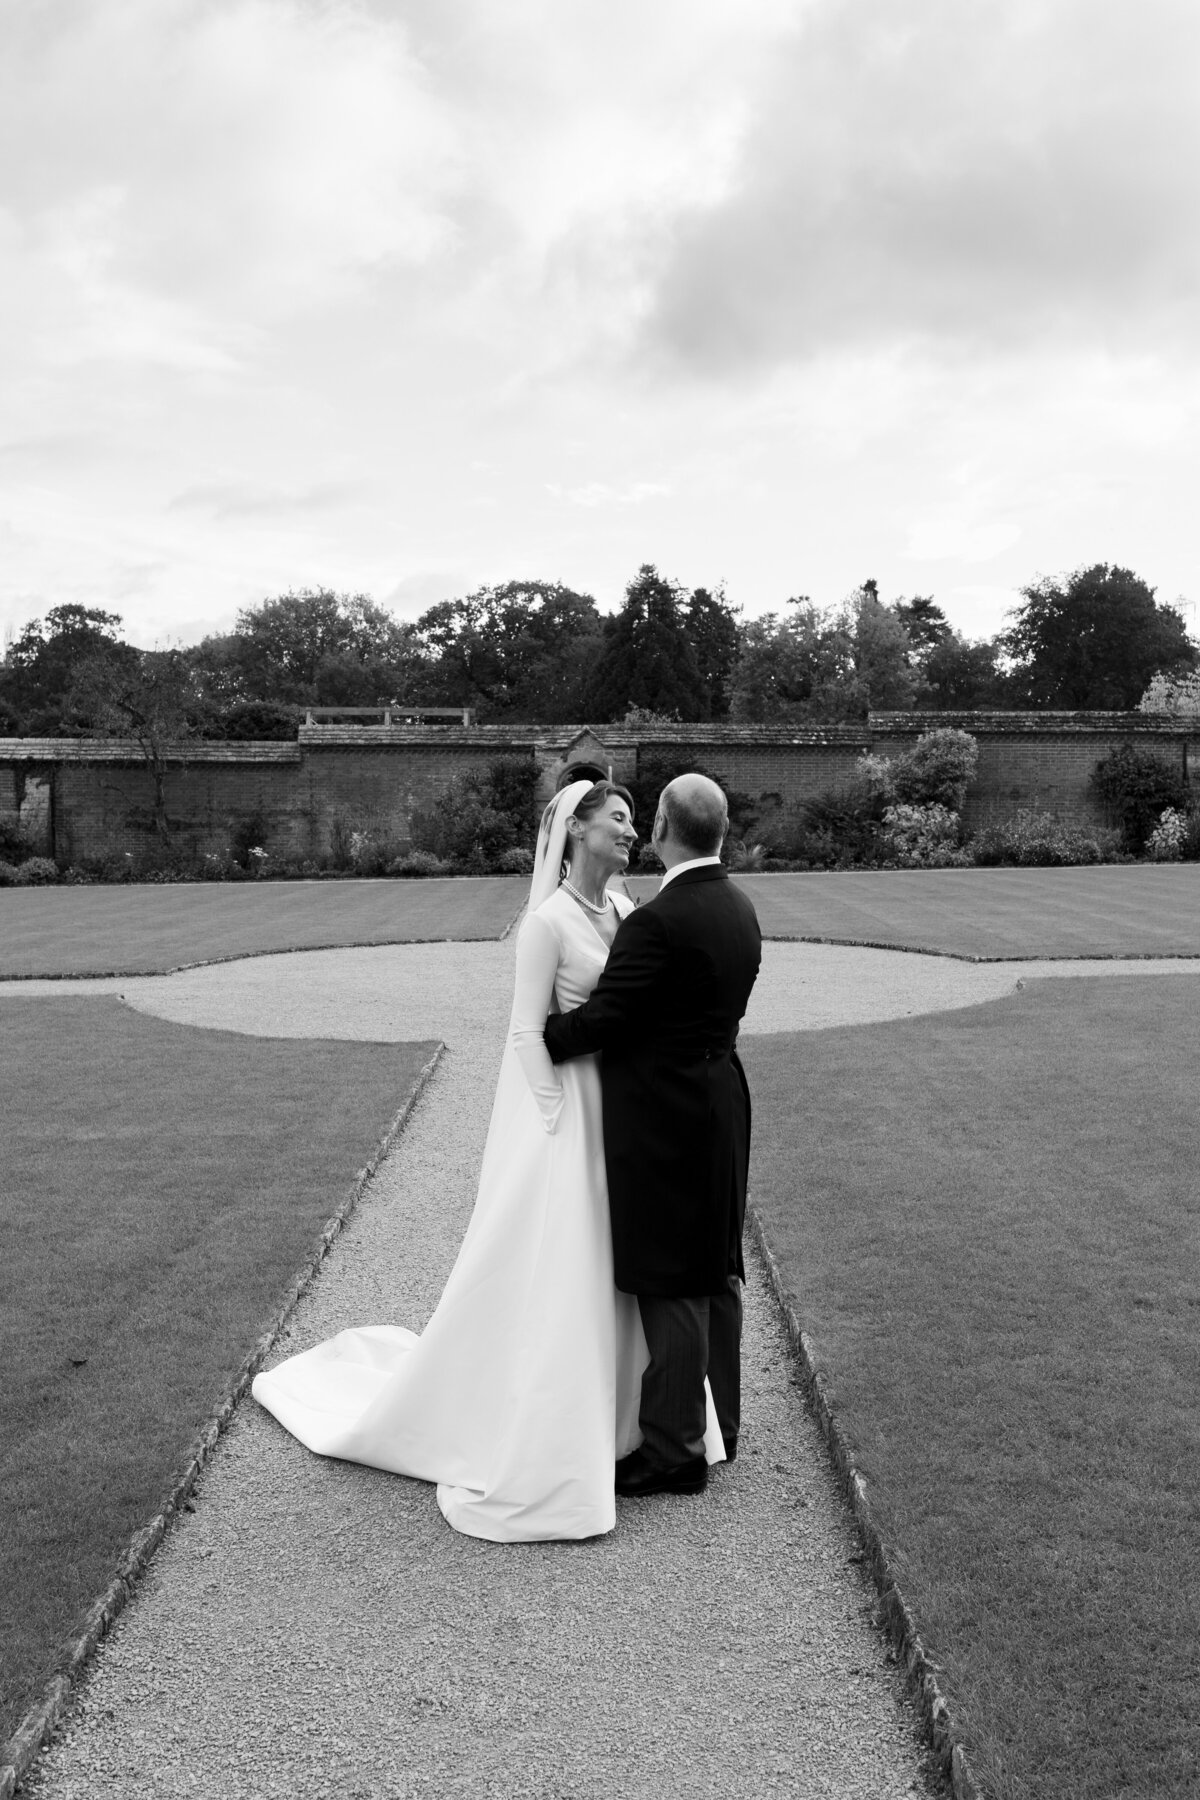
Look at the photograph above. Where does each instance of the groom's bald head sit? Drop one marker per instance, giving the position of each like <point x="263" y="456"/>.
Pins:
<point x="693" y="814"/>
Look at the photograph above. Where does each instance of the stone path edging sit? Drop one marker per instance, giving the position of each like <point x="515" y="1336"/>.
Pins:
<point x="922" y="1673"/>
<point x="39" y="1722"/>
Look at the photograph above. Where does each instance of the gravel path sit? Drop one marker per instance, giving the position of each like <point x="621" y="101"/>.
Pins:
<point x="314" y="1628"/>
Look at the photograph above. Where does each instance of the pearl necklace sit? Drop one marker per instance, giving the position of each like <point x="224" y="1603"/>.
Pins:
<point x="583" y="900"/>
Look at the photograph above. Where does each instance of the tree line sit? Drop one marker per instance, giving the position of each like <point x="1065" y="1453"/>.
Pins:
<point x="542" y="653"/>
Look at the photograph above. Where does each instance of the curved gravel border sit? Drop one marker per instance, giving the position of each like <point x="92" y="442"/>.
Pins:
<point x="37" y="1726"/>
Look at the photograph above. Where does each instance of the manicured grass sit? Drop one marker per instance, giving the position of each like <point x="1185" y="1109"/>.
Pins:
<point x="148" y="930"/>
<point x="1124" y="910"/>
<point x="160" y="1186"/>
<point x="990" y="1224"/>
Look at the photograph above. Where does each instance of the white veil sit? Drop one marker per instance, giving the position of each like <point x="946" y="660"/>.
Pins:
<point x="552" y="842"/>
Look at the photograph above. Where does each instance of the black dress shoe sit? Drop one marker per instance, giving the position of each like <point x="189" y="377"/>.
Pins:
<point x="637" y="1475"/>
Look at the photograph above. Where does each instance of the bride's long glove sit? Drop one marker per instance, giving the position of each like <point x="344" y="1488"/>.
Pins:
<point x="533" y="991"/>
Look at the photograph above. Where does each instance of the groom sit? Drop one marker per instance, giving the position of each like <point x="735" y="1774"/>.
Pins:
<point x="665" y="1013"/>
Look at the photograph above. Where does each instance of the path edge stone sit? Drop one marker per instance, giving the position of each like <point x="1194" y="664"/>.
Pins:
<point x="940" y="1728"/>
<point x="39" y="1723"/>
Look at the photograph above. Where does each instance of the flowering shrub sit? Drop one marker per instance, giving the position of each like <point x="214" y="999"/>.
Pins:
<point x="1038" y="840"/>
<point x="1166" y="842"/>
<point x="923" y="837"/>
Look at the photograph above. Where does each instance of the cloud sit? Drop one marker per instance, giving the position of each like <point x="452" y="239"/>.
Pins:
<point x="599" y="493"/>
<point x="993" y="174"/>
<point x="248" y="500"/>
<point x="208" y="168"/>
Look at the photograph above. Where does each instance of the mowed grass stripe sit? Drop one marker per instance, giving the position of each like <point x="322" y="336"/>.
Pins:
<point x="161" y="1186"/>
<point x="990" y="1224"/>
<point x="148" y="930"/>
<point x="1125" y="910"/>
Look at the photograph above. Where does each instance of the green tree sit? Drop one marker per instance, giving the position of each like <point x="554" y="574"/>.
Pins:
<point x="40" y="667"/>
<point x="647" y="658"/>
<point x="316" y="647"/>
<point x="711" y="625"/>
<point x="791" y="667"/>
<point x="881" y="654"/>
<point x="958" y="676"/>
<point x="522" y="650"/>
<point x="925" y="623"/>
<point x="151" y="696"/>
<point x="1093" y="640"/>
<point x="824" y="667"/>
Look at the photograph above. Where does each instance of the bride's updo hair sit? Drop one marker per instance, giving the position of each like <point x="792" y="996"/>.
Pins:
<point x="595" y="797"/>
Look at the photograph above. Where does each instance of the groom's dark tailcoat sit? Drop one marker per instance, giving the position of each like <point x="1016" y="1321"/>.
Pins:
<point x="665" y="1014"/>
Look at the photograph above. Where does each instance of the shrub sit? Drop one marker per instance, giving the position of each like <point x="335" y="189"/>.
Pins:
<point x="924" y="837"/>
<point x="215" y="867"/>
<point x="248" y="833"/>
<point x="14" y="846"/>
<point x="38" y="871"/>
<point x="8" y="874"/>
<point x="368" y="855"/>
<point x="480" y="815"/>
<point x="744" y="858"/>
<point x="256" y="720"/>
<point x="111" y="865"/>
<point x="1041" y="840"/>
<point x="840" y="829"/>
<point x="845" y="828"/>
<point x="1135" y="786"/>
<point x="1166" y="842"/>
<point x="517" y="861"/>
<point x="935" y="772"/>
<point x="417" y="863"/>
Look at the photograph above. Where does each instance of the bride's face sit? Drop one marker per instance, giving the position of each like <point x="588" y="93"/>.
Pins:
<point x="606" y="839"/>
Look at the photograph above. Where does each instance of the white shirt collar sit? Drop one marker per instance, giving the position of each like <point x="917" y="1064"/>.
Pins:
<point x="696" y="862"/>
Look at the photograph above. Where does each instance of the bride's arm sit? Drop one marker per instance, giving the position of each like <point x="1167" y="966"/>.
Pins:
<point x="533" y="990"/>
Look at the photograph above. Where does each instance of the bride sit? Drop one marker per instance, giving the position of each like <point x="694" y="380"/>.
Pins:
<point x="523" y="1389"/>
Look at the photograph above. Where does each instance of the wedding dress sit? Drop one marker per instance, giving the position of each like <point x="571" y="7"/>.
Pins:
<point x="524" y="1386"/>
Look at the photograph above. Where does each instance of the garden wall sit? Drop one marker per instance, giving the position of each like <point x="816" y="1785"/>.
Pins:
<point x="84" y="798"/>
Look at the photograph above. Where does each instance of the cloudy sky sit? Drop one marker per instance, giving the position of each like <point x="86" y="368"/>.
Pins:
<point x="406" y="296"/>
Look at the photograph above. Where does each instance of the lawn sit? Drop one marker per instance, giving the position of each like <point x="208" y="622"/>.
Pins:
<point x="1125" y="910"/>
<point x="989" y="1222"/>
<point x="985" y="915"/>
<point x="161" y="1186"/>
<point x="148" y="930"/>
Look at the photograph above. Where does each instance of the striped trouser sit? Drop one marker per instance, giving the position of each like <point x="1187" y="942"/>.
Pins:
<point x="689" y="1339"/>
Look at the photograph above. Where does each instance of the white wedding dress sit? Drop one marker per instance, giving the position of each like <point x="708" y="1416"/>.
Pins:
<point x="524" y="1386"/>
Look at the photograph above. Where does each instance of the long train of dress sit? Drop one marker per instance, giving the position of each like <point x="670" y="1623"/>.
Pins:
<point x="523" y="1387"/>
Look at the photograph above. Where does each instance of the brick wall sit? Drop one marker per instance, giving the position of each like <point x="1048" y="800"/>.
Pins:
<point x="1042" y="761"/>
<point x="79" y="798"/>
